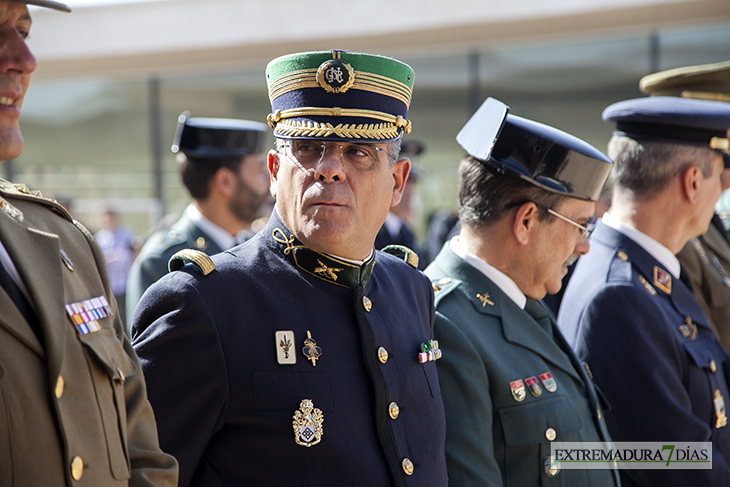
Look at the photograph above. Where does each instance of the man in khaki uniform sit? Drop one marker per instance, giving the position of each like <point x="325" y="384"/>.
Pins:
<point x="73" y="406"/>
<point x="705" y="259"/>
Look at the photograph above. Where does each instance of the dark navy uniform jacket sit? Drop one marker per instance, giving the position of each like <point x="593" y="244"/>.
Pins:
<point x="225" y="406"/>
<point x="653" y="353"/>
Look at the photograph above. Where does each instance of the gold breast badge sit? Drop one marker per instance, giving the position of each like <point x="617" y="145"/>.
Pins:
<point x="721" y="418"/>
<point x="308" y="424"/>
<point x="311" y="350"/>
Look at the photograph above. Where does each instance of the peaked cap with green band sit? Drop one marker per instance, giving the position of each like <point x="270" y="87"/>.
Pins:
<point x="339" y="95"/>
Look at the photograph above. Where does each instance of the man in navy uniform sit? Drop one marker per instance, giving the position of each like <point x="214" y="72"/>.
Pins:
<point x="511" y="384"/>
<point x="222" y="165"/>
<point x="706" y="259"/>
<point x="304" y="356"/>
<point x="73" y="404"/>
<point x="627" y="310"/>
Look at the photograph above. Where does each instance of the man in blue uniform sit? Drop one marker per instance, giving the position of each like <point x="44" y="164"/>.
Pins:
<point x="304" y="356"/>
<point x="222" y="165"/>
<point x="627" y="310"/>
<point x="510" y="382"/>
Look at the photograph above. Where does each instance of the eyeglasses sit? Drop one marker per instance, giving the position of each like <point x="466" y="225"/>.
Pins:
<point x="586" y="230"/>
<point x="311" y="152"/>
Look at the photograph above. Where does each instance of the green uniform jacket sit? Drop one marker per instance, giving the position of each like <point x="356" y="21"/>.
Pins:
<point x="73" y="408"/>
<point x="151" y="263"/>
<point x="707" y="280"/>
<point x="488" y="342"/>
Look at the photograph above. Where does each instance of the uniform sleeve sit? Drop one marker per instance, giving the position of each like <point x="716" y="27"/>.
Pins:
<point x="145" y="271"/>
<point x="641" y="368"/>
<point x="180" y="350"/>
<point x="469" y="429"/>
<point x="150" y="466"/>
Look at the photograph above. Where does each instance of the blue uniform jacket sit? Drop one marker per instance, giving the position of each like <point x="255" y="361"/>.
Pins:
<point x="151" y="263"/>
<point x="489" y="343"/>
<point x="225" y="406"/>
<point x="652" y="352"/>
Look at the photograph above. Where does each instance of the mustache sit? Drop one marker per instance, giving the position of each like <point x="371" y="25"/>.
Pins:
<point x="571" y="260"/>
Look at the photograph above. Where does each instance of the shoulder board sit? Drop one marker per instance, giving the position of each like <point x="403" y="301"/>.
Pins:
<point x="199" y="259"/>
<point x="21" y="191"/>
<point x="444" y="285"/>
<point x="402" y="252"/>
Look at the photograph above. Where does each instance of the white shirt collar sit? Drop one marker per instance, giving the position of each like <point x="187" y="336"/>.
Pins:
<point x="500" y="279"/>
<point x="222" y="238"/>
<point x="655" y="249"/>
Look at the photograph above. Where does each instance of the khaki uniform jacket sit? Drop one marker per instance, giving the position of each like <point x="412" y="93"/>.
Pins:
<point x="707" y="280"/>
<point x="73" y="410"/>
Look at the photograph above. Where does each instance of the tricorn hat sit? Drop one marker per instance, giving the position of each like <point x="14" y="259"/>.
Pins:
<point x="339" y="95"/>
<point x="218" y="137"/>
<point x="540" y="154"/>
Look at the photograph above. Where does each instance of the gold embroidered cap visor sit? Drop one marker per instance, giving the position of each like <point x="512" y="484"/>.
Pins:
<point x="339" y="95"/>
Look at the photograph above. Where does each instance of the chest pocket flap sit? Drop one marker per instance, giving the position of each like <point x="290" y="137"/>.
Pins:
<point x="526" y="424"/>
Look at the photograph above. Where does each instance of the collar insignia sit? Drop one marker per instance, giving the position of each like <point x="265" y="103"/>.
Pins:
<point x="484" y="298"/>
<point x="662" y="280"/>
<point x="328" y="272"/>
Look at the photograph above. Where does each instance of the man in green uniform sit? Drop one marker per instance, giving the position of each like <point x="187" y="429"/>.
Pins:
<point x="222" y="165"/>
<point x="73" y="406"/>
<point x="511" y="385"/>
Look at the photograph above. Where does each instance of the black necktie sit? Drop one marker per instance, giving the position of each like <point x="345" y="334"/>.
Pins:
<point x="20" y="301"/>
<point x="540" y="313"/>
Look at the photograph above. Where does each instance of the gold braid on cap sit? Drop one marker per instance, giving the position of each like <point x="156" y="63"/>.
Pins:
<point x="277" y="122"/>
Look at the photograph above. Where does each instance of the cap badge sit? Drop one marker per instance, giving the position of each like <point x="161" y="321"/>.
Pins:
<point x="518" y="390"/>
<point x="335" y="76"/>
<point x="284" y="342"/>
<point x="308" y="424"/>
<point x="311" y="350"/>
<point x="662" y="280"/>
<point x="548" y="382"/>
<point x="534" y="386"/>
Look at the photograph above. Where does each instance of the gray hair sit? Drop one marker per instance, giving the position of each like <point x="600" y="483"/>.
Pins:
<point x="644" y="168"/>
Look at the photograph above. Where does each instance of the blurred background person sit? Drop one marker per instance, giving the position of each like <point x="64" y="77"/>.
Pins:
<point x="398" y="226"/>
<point x="120" y="247"/>
<point x="222" y="165"/>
